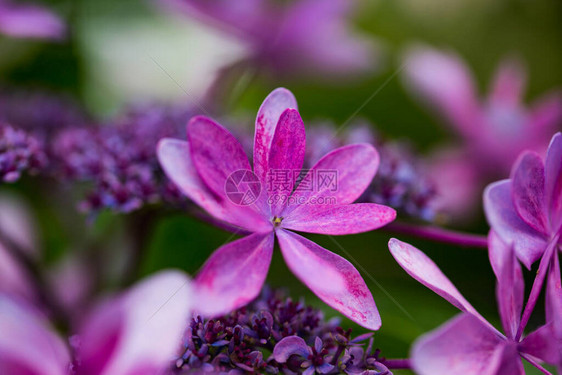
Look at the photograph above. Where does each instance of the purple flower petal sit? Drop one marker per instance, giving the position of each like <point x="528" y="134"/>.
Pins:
<point x="346" y="219"/>
<point x="509" y="83"/>
<point x="554" y="307"/>
<point x="504" y="220"/>
<point x="351" y="168"/>
<point x="446" y="82"/>
<point x="215" y="153"/>
<point x="332" y="278"/>
<point x="138" y="332"/>
<point x="420" y="267"/>
<point x="288" y="346"/>
<point x="462" y="346"/>
<point x="553" y="183"/>
<point x="511" y="286"/>
<point x="175" y="158"/>
<point x="30" y="21"/>
<point x="26" y="336"/>
<point x="286" y="156"/>
<point x="266" y="122"/>
<point x="542" y="344"/>
<point x="234" y="274"/>
<point x="527" y="190"/>
<point x="545" y="115"/>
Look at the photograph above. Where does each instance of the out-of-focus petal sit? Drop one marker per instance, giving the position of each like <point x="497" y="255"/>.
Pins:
<point x="30" y="21"/>
<point x="504" y="220"/>
<point x="546" y="114"/>
<point x="332" y="278"/>
<point x="553" y="182"/>
<point x="446" y="82"/>
<point x="510" y="287"/>
<point x="286" y="157"/>
<point x="266" y="122"/>
<point x="420" y="267"/>
<point x="509" y="83"/>
<point x="234" y="274"/>
<point x="462" y="346"/>
<point x="288" y="346"/>
<point x="27" y="337"/>
<point x="340" y="177"/>
<point x="17" y="222"/>
<point x="345" y="219"/>
<point x="453" y="167"/>
<point x="316" y="36"/>
<point x="527" y="191"/>
<point x="137" y="333"/>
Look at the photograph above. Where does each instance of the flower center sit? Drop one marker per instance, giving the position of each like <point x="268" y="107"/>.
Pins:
<point x="277" y="221"/>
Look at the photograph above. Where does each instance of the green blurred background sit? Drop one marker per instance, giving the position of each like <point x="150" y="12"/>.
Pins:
<point x="126" y="50"/>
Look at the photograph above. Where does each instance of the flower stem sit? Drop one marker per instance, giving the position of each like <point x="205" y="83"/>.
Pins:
<point x="537" y="286"/>
<point x="439" y="235"/>
<point x="397" y="364"/>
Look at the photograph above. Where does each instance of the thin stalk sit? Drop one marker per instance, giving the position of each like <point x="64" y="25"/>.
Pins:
<point x="439" y="235"/>
<point x="397" y="364"/>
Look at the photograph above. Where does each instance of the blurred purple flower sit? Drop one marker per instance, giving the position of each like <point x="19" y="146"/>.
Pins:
<point x="19" y="152"/>
<point x="29" y="21"/>
<point x="469" y="344"/>
<point x="135" y="333"/>
<point x="401" y="181"/>
<point x="310" y="36"/>
<point x="493" y="131"/>
<point x="120" y="158"/>
<point x="203" y="168"/>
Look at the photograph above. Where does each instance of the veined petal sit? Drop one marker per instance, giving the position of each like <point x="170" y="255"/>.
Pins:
<point x="509" y="83"/>
<point x="510" y="288"/>
<point x="215" y="153"/>
<point x="446" y="82"/>
<point x="462" y="346"/>
<point x="175" y="158"/>
<point x="332" y="278"/>
<point x="344" y="219"/>
<point x="286" y="157"/>
<point x="288" y="346"/>
<point x="340" y="177"/>
<point x="527" y="191"/>
<point x="234" y="274"/>
<point x="528" y="244"/>
<point x="137" y="333"/>
<point x="266" y="122"/>
<point x="27" y="337"/>
<point x="553" y="183"/>
<point x="420" y="267"/>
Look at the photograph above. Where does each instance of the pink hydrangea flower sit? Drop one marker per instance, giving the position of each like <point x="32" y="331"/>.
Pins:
<point x="136" y="333"/>
<point x="305" y="35"/>
<point x="493" y="130"/>
<point x="203" y="168"/>
<point x="468" y="344"/>
<point x="29" y="21"/>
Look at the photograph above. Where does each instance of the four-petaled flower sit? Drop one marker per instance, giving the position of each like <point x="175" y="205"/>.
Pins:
<point x="235" y="273"/>
<point x="469" y="344"/>
<point x="493" y="130"/>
